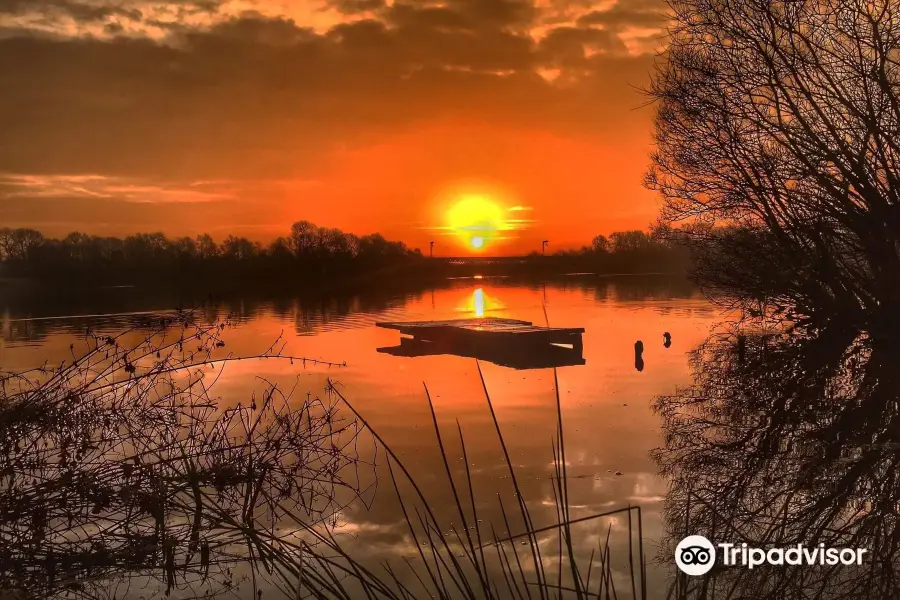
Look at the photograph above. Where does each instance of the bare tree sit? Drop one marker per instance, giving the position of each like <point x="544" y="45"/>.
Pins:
<point x="784" y="439"/>
<point x="779" y="121"/>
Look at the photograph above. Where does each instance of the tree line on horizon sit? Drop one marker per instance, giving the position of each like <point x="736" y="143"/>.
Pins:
<point x="308" y="249"/>
<point x="27" y="252"/>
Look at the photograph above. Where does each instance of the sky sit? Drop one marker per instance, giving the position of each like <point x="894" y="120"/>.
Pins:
<point x="243" y="116"/>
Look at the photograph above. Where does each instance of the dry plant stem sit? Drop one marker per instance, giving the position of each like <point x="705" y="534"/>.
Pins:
<point x="120" y="465"/>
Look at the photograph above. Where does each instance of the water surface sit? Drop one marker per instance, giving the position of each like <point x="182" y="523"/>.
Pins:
<point x="609" y="426"/>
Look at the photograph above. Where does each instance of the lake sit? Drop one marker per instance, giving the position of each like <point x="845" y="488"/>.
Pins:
<point x="609" y="426"/>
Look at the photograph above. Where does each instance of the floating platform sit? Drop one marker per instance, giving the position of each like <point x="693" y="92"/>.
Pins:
<point x="506" y="342"/>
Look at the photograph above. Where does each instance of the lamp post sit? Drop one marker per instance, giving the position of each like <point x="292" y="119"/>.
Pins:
<point x="544" y="246"/>
<point x="431" y="250"/>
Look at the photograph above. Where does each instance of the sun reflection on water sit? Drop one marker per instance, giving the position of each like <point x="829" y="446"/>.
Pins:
<point x="479" y="303"/>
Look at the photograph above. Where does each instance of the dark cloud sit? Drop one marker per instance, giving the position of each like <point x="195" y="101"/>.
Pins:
<point x="500" y="13"/>
<point x="571" y="45"/>
<point x="250" y="30"/>
<point x="98" y="10"/>
<point x="79" y="11"/>
<point x="462" y="14"/>
<point x="426" y="17"/>
<point x="351" y="7"/>
<point x="627" y="13"/>
<point x="256" y="97"/>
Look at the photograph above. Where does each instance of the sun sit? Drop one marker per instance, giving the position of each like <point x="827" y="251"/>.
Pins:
<point x="476" y="219"/>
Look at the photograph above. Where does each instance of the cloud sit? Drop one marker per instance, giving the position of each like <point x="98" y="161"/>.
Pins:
<point x="569" y="46"/>
<point x="76" y="16"/>
<point x="155" y="95"/>
<point x="627" y="14"/>
<point x="80" y="11"/>
<point x="350" y="7"/>
<point x="264" y="96"/>
<point x="14" y="186"/>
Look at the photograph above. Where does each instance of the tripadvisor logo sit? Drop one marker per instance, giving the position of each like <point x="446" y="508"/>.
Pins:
<point x="696" y="555"/>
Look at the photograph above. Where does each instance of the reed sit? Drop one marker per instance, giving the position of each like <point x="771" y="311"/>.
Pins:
<point x="474" y="561"/>
<point x="121" y="468"/>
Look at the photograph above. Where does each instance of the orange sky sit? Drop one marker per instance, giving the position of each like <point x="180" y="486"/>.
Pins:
<point x="242" y="117"/>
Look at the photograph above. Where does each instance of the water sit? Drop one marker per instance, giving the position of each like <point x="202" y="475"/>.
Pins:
<point x="609" y="425"/>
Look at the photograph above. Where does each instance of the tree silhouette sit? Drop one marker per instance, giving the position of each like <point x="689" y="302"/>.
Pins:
<point x="309" y="254"/>
<point x="778" y="122"/>
<point x="783" y="439"/>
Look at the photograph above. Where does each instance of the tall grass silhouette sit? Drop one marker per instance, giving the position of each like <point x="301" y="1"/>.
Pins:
<point x="474" y="560"/>
<point x="120" y="469"/>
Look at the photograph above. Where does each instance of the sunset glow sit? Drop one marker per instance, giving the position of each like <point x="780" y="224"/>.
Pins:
<point x="618" y="266"/>
<point x="476" y="220"/>
<point x="360" y="116"/>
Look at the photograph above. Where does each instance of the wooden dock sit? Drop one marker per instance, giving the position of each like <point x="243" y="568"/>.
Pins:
<point x="489" y="331"/>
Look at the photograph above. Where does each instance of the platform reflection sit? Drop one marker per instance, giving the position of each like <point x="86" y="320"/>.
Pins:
<point x="513" y="356"/>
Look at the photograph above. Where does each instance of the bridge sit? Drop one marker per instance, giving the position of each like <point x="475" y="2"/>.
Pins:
<point x="467" y="266"/>
<point x="484" y="260"/>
